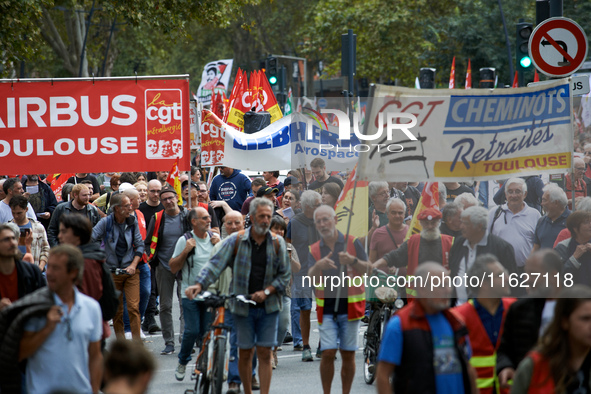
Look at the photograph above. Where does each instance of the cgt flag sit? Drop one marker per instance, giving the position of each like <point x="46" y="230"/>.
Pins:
<point x="429" y="199"/>
<point x="469" y="76"/>
<point x="452" y="75"/>
<point x="357" y="210"/>
<point x="57" y="182"/>
<point x="174" y="180"/>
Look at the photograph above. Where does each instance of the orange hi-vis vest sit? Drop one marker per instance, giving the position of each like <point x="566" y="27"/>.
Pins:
<point x="355" y="295"/>
<point x="154" y="243"/>
<point x="484" y="353"/>
<point x="541" y="378"/>
<point x="413" y="258"/>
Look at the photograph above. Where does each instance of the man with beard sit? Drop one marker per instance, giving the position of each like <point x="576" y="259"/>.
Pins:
<point x="429" y="245"/>
<point x="260" y="268"/>
<point x="339" y="310"/>
<point x="425" y="345"/>
<point x="79" y="204"/>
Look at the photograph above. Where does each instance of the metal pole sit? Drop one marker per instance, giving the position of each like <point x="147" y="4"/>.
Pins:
<point x="85" y="37"/>
<point x="108" y="45"/>
<point x="11" y="80"/>
<point x="351" y="54"/>
<point x="511" y="72"/>
<point x="305" y="69"/>
<point x="555" y="8"/>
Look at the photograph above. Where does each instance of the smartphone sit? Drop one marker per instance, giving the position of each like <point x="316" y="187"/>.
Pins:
<point x="24" y="232"/>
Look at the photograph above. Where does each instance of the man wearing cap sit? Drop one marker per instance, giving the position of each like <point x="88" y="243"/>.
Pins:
<point x="292" y="183"/>
<point x="429" y="245"/>
<point x="195" y="189"/>
<point x="272" y="181"/>
<point x="164" y="230"/>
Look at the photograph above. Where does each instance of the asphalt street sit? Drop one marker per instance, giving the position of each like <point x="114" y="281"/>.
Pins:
<point x="292" y="376"/>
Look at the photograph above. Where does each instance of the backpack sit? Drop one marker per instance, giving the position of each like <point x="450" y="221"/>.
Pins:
<point x="109" y="301"/>
<point x="188" y="236"/>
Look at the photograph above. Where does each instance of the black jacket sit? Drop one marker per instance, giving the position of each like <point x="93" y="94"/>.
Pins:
<point x="494" y="245"/>
<point x="29" y="278"/>
<point x="520" y="332"/>
<point x="66" y="208"/>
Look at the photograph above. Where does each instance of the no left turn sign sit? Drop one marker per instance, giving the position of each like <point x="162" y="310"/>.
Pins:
<point x="558" y="47"/>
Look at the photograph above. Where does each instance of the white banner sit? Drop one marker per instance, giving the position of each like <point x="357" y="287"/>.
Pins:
<point x="475" y="134"/>
<point x="214" y="79"/>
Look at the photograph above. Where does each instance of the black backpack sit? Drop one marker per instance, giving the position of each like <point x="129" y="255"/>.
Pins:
<point x="110" y="299"/>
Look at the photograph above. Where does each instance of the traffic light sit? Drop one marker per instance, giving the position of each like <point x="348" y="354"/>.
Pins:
<point x="427" y="78"/>
<point x="524" y="30"/>
<point x="272" y="70"/>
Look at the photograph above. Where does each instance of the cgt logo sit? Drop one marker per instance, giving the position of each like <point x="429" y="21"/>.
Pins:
<point x="164" y="105"/>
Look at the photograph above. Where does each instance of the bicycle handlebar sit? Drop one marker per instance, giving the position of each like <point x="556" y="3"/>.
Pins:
<point x="215" y="298"/>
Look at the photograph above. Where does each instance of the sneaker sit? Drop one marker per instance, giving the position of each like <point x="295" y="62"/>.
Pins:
<point x="142" y="335"/>
<point x="154" y="328"/>
<point x="233" y="388"/>
<point x="179" y="374"/>
<point x="307" y="355"/>
<point x="169" y="349"/>
<point x="318" y="353"/>
<point x="279" y="348"/>
<point x="127" y="335"/>
<point x="298" y="348"/>
<point x="288" y="338"/>
<point x="255" y="383"/>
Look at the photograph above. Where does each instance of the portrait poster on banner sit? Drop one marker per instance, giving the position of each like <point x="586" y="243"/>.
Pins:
<point x="94" y="126"/>
<point x="460" y="135"/>
<point x="214" y="79"/>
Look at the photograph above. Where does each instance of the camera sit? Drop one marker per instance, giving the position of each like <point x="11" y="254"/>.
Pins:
<point x="118" y="271"/>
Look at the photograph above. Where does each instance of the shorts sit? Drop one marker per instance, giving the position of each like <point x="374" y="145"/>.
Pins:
<point x="258" y="329"/>
<point x="340" y="334"/>
<point x="303" y="304"/>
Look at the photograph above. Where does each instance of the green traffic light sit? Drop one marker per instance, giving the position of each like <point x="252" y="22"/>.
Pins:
<point x="525" y="62"/>
<point x="273" y="80"/>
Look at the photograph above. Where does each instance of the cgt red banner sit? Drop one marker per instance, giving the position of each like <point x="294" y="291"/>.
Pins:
<point x="94" y="126"/>
<point x="212" y="140"/>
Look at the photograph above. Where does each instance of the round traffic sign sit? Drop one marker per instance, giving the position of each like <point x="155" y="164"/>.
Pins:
<point x="558" y="47"/>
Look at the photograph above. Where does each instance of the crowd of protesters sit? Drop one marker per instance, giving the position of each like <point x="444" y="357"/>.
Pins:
<point x="119" y="247"/>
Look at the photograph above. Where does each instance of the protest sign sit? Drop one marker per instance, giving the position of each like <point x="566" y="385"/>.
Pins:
<point x="214" y="79"/>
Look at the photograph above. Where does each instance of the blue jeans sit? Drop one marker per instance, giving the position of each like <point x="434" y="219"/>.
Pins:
<point x="298" y="304"/>
<point x="233" y="375"/>
<point x="145" y="290"/>
<point x="197" y="320"/>
<point x="340" y="334"/>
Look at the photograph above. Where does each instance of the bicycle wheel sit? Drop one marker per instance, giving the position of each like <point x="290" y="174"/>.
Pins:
<point x="202" y="382"/>
<point x="370" y="350"/>
<point x="219" y="361"/>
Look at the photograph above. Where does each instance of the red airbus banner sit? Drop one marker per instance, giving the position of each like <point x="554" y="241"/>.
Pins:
<point x="94" y="126"/>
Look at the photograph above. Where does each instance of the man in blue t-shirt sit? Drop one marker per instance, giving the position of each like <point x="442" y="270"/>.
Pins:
<point x="439" y="365"/>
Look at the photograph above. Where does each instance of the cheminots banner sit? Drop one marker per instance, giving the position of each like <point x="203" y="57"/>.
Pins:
<point x="93" y="126"/>
<point x="448" y="134"/>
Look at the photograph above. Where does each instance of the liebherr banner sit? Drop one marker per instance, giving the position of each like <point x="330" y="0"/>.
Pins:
<point x="94" y="126"/>
<point x="458" y="135"/>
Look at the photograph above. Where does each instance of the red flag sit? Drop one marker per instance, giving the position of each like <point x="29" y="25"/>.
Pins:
<point x="239" y="102"/>
<point x="234" y="96"/>
<point x="174" y="180"/>
<point x="536" y="76"/>
<point x="57" y="182"/>
<point x="469" y="76"/>
<point x="515" y="80"/>
<point x="452" y="74"/>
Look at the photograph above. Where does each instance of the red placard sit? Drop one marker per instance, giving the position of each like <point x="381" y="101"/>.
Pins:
<point x="556" y="32"/>
<point x="101" y="126"/>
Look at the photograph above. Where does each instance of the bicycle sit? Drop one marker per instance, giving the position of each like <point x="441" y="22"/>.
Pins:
<point x="384" y="301"/>
<point x="211" y="366"/>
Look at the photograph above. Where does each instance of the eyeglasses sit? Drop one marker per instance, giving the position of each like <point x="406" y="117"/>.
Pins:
<point x="580" y="168"/>
<point x="204" y="217"/>
<point x="202" y="190"/>
<point x="68" y="322"/>
<point x="167" y="199"/>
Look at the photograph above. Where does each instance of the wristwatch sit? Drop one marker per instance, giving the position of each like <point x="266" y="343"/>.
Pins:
<point x="355" y="261"/>
<point x="267" y="292"/>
